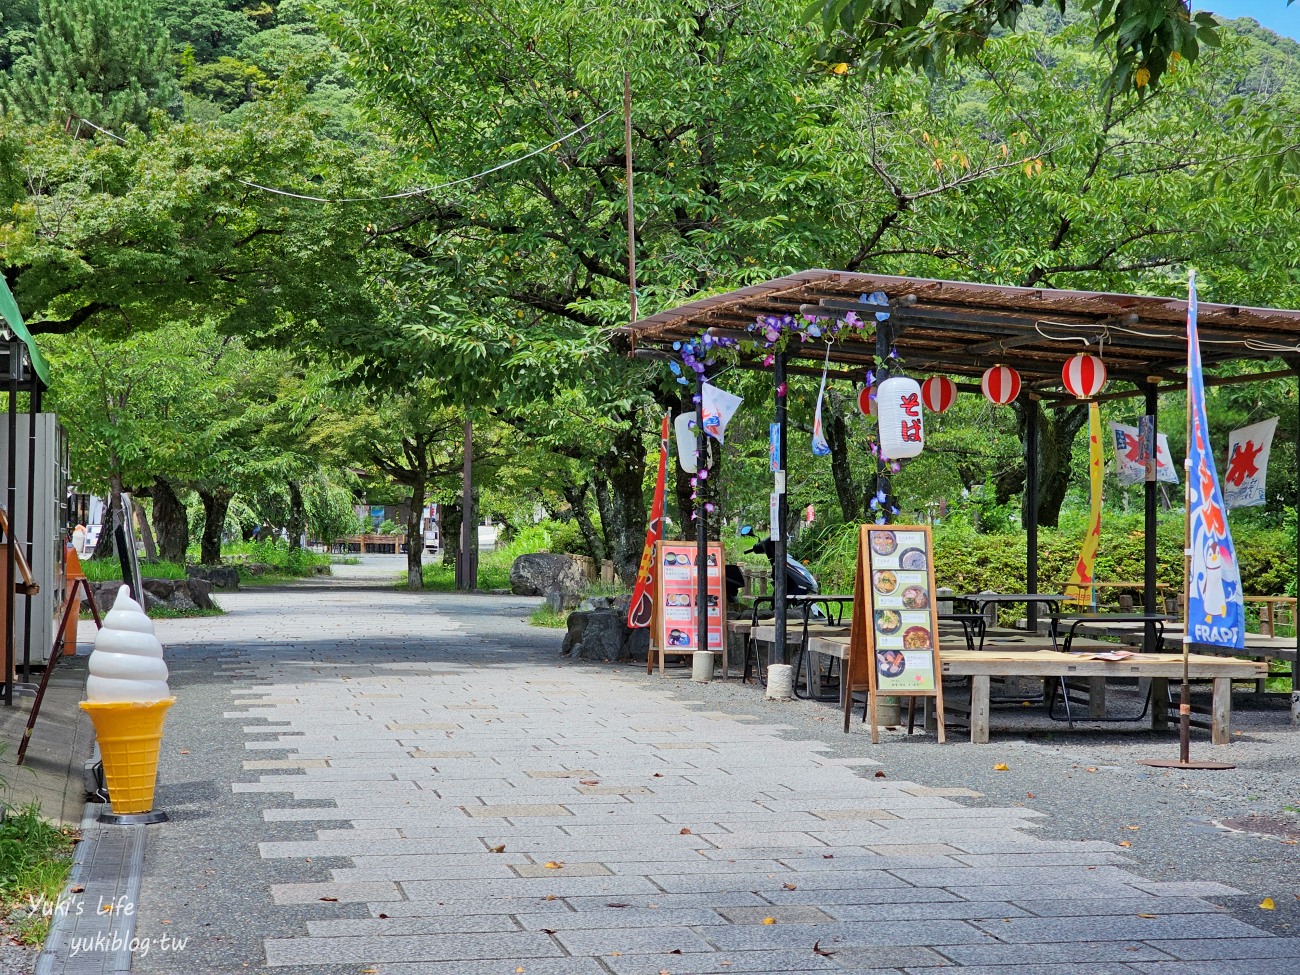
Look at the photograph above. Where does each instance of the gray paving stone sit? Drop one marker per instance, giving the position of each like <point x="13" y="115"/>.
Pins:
<point x="1255" y="966"/>
<point x="1231" y="949"/>
<point x="632" y="941"/>
<point x="1127" y="905"/>
<point x="516" y="811"/>
<point x="791" y="962"/>
<point x="1073" y="968"/>
<point x="511" y="946"/>
<point x="629" y="917"/>
<point x="375" y="927"/>
<point x="1041" y="930"/>
<point x="905" y="910"/>
<point x="784" y="914"/>
<point x="1077" y="953"/>
<point x="565" y="869"/>
<point x="534" y="966"/>
<point x="845" y="934"/>
<point x="524" y="887"/>
<point x="343" y="893"/>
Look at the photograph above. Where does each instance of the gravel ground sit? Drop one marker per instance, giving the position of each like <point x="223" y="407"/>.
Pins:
<point x="1237" y="827"/>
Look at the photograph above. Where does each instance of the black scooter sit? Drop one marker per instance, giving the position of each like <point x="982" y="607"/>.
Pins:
<point x="798" y="580"/>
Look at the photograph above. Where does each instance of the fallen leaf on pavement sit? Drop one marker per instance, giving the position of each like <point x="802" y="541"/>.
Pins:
<point x="553" y="865"/>
<point x="1001" y="767"/>
<point x="185" y="751"/>
<point x="769" y="920"/>
<point x="819" y="950"/>
<point x="1132" y="827"/>
<point x="588" y="782"/>
<point x="519" y="970"/>
<point x="1091" y="768"/>
<point x="332" y="900"/>
<point x="1125" y="843"/>
<point x="657" y="775"/>
<point x="1030" y="795"/>
<point x="880" y="775"/>
<point x="1267" y="904"/>
<point x="383" y="917"/>
<point x="1149" y="915"/>
<point x="828" y="856"/>
<point x="547" y="930"/>
<point x="499" y="848"/>
<point x="78" y="889"/>
<point x="789" y="886"/>
<point x="618" y="905"/>
<point x="675" y="951"/>
<point x="685" y="831"/>
<point x="550" y="897"/>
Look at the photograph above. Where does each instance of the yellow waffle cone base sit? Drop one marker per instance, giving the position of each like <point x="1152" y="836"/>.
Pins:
<point x="130" y="738"/>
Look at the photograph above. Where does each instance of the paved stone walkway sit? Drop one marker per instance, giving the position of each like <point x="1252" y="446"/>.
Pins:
<point x="367" y="781"/>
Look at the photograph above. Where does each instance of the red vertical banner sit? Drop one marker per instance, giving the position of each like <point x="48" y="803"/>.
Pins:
<point x="641" y="610"/>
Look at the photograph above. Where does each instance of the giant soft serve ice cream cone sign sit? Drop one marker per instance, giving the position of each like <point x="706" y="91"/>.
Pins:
<point x="127" y="699"/>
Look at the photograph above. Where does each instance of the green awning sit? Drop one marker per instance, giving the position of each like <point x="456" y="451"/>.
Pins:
<point x="9" y="312"/>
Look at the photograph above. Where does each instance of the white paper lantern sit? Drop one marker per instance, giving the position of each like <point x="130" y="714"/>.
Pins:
<point x="867" y="401"/>
<point x="1084" y="375"/>
<point x="1001" y="385"/>
<point x="938" y="393"/>
<point x="902" y="427"/>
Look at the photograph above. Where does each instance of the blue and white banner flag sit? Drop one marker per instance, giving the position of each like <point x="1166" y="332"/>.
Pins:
<point x="1216" y="613"/>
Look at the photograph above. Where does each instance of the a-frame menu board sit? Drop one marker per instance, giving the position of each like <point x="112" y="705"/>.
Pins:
<point x="894" y="641"/>
<point x="676" y="593"/>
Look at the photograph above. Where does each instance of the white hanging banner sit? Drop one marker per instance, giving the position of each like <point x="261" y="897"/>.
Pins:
<point x="684" y="427"/>
<point x="1248" y="450"/>
<point x="820" y="447"/>
<point x="719" y="407"/>
<point x="1130" y="467"/>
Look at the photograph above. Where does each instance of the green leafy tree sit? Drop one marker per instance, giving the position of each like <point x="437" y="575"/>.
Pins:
<point x="1146" y="38"/>
<point x="103" y="60"/>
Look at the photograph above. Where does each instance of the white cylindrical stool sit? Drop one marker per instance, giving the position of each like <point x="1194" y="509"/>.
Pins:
<point x="702" y="666"/>
<point x="780" y="682"/>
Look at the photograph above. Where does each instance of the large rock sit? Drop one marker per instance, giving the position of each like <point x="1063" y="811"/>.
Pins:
<point x="172" y="593"/>
<point x="218" y="576"/>
<point x="543" y="573"/>
<point x="603" y="635"/>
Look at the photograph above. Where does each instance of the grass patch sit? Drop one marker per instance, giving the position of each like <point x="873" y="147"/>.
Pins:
<point x="109" y="570"/>
<point x="170" y="613"/>
<point x="543" y="615"/>
<point x="284" y="561"/>
<point x="35" y="863"/>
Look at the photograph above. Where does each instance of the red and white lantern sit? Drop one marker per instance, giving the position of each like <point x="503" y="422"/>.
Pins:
<point x="1001" y="385"/>
<point x="1084" y="375"/>
<point x="938" y="393"/>
<point x="867" y="400"/>
<point x="898" y="408"/>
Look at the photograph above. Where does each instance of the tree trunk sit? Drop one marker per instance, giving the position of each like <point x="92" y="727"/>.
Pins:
<point x="1057" y="428"/>
<point x="449" y="536"/>
<point x="146" y="534"/>
<point x="600" y="488"/>
<point x="847" y="489"/>
<point x="415" y="538"/>
<point x="297" y="516"/>
<point x="106" y="548"/>
<point x="577" y="498"/>
<point x="170" y="522"/>
<point x="215" y="505"/>
<point x="625" y="464"/>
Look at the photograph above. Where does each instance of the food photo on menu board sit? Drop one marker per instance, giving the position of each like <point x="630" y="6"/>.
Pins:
<point x="900" y="595"/>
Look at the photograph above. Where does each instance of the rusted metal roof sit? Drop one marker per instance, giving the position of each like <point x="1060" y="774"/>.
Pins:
<point x="961" y="328"/>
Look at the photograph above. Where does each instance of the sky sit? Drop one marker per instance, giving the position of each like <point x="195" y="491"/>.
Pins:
<point x="1273" y="14"/>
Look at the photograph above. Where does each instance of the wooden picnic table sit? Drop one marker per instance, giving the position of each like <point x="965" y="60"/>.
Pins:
<point x="981" y="665"/>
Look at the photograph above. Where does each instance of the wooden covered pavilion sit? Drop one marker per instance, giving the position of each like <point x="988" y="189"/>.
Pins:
<point x="960" y="329"/>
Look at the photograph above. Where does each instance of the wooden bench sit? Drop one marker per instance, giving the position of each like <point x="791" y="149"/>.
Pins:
<point x="1159" y="668"/>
